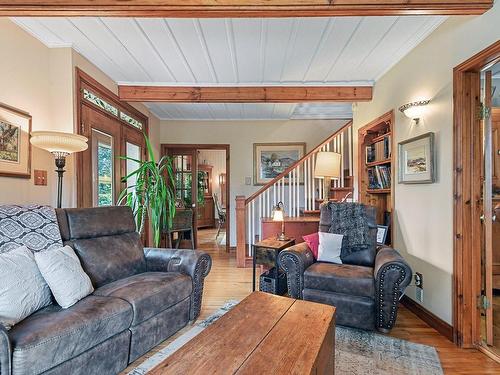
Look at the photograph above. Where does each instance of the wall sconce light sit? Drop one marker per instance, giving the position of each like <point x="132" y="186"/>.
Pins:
<point x="414" y="110"/>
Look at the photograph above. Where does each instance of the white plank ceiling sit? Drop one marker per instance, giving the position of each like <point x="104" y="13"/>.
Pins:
<point x="231" y="52"/>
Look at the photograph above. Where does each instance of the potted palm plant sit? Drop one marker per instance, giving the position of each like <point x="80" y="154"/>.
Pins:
<point x="152" y="195"/>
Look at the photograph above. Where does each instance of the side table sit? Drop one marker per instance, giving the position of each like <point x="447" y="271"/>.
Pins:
<point x="266" y="253"/>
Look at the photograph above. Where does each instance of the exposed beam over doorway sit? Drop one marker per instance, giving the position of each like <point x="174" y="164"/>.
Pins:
<point x="241" y="8"/>
<point x="260" y="94"/>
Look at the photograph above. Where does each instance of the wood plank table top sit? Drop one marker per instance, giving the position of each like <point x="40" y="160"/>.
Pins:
<point x="264" y="333"/>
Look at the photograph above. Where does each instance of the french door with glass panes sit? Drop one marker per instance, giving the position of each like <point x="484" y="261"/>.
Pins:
<point x="112" y="131"/>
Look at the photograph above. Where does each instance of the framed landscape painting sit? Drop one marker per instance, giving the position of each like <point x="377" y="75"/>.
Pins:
<point x="417" y="160"/>
<point x="15" y="147"/>
<point x="272" y="159"/>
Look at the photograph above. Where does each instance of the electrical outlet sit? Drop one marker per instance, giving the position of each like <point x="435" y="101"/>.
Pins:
<point x="419" y="280"/>
<point x="419" y="295"/>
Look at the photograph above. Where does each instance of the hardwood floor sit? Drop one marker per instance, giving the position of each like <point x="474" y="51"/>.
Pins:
<point x="226" y="282"/>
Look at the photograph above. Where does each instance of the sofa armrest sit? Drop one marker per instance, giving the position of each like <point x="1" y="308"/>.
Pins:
<point x="295" y="260"/>
<point x="193" y="263"/>
<point x="392" y="276"/>
<point x="5" y="352"/>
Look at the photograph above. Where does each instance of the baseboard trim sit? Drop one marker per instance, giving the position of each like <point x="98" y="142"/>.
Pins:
<point x="432" y="320"/>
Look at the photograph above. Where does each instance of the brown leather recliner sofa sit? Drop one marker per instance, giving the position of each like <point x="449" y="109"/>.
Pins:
<point x="142" y="296"/>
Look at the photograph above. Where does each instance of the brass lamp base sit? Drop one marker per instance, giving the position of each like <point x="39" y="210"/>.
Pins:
<point x="282" y="237"/>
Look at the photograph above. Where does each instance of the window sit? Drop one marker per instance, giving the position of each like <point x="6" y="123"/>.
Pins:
<point x="103" y="104"/>
<point x="102" y="146"/>
<point x="87" y="95"/>
<point x="132" y="121"/>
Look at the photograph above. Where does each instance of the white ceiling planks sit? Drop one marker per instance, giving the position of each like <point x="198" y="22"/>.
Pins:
<point x="232" y="52"/>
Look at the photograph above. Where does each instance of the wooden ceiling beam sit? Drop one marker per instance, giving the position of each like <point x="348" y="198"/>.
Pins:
<point x="267" y="94"/>
<point x="241" y="8"/>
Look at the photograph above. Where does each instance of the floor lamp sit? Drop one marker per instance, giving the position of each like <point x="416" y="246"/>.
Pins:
<point x="60" y="145"/>
<point x="327" y="167"/>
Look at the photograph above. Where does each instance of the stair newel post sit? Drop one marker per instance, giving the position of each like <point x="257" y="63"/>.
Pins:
<point x="240" y="231"/>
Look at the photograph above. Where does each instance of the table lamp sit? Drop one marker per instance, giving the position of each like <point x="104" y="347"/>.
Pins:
<point x="60" y="145"/>
<point x="327" y="167"/>
<point x="279" y="215"/>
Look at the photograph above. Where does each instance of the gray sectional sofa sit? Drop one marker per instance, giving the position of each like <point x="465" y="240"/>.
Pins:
<point x="142" y="296"/>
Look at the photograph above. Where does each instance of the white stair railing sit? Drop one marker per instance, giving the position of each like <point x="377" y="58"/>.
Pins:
<point x="296" y="187"/>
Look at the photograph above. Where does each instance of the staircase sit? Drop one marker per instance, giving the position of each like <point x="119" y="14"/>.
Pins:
<point x="298" y="189"/>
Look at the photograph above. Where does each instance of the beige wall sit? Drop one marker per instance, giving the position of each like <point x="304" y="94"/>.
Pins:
<point x="28" y="78"/>
<point x="40" y="81"/>
<point x="424" y="213"/>
<point x="241" y="135"/>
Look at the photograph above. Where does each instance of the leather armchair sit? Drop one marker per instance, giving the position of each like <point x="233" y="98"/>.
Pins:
<point x="193" y="263"/>
<point x="366" y="295"/>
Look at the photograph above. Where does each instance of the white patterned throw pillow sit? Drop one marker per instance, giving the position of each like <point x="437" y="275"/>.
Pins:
<point x="22" y="287"/>
<point x="64" y="274"/>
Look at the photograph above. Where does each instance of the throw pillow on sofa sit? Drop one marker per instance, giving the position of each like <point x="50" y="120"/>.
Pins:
<point x="330" y="247"/>
<point x="312" y="241"/>
<point x="22" y="287"/>
<point x="64" y="274"/>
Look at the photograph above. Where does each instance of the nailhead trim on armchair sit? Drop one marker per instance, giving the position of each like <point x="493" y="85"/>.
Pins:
<point x="395" y="298"/>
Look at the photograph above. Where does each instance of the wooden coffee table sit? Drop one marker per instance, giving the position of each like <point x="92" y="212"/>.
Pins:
<point x="263" y="334"/>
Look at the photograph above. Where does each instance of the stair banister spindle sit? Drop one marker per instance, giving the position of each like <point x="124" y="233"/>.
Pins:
<point x="305" y="184"/>
<point x="298" y="190"/>
<point x="290" y="194"/>
<point x="261" y="214"/>
<point x="341" y="159"/>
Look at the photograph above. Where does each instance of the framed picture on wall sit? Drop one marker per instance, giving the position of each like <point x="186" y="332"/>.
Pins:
<point x="15" y="147"/>
<point x="417" y="160"/>
<point x="272" y="159"/>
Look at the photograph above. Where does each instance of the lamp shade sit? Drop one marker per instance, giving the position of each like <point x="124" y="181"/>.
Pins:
<point x="327" y="165"/>
<point x="59" y="142"/>
<point x="278" y="215"/>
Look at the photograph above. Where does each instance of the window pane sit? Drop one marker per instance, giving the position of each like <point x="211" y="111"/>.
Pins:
<point x="132" y="121"/>
<point x="87" y="95"/>
<point x="134" y="152"/>
<point x="103" y="187"/>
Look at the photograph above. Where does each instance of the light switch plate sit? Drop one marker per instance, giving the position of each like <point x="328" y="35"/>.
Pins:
<point x="248" y="180"/>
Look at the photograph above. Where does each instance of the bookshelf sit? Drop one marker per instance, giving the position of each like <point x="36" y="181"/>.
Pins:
<point x="376" y="168"/>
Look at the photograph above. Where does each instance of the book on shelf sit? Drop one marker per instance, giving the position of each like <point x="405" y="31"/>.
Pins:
<point x="379" y="151"/>
<point x="379" y="177"/>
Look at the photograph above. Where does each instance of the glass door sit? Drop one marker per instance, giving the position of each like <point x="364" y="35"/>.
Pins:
<point x="186" y="182"/>
<point x="490" y="259"/>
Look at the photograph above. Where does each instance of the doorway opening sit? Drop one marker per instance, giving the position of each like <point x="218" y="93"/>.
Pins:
<point x="477" y="202"/>
<point x="201" y="176"/>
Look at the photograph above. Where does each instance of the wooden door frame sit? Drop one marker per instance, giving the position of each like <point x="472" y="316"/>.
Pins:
<point x="467" y="166"/>
<point x="208" y="146"/>
<point x="82" y="78"/>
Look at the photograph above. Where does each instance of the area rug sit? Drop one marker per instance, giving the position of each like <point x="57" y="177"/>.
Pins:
<point x="356" y="352"/>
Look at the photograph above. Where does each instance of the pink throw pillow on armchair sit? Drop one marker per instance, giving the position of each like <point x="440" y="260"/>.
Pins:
<point x="312" y="241"/>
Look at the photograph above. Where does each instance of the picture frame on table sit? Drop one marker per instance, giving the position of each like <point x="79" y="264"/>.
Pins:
<point x="382" y="231"/>
<point x="15" y="146"/>
<point x="417" y="164"/>
<point x="272" y="159"/>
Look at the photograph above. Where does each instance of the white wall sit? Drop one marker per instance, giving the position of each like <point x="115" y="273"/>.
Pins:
<point x="40" y="81"/>
<point x="424" y="213"/>
<point x="241" y="135"/>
